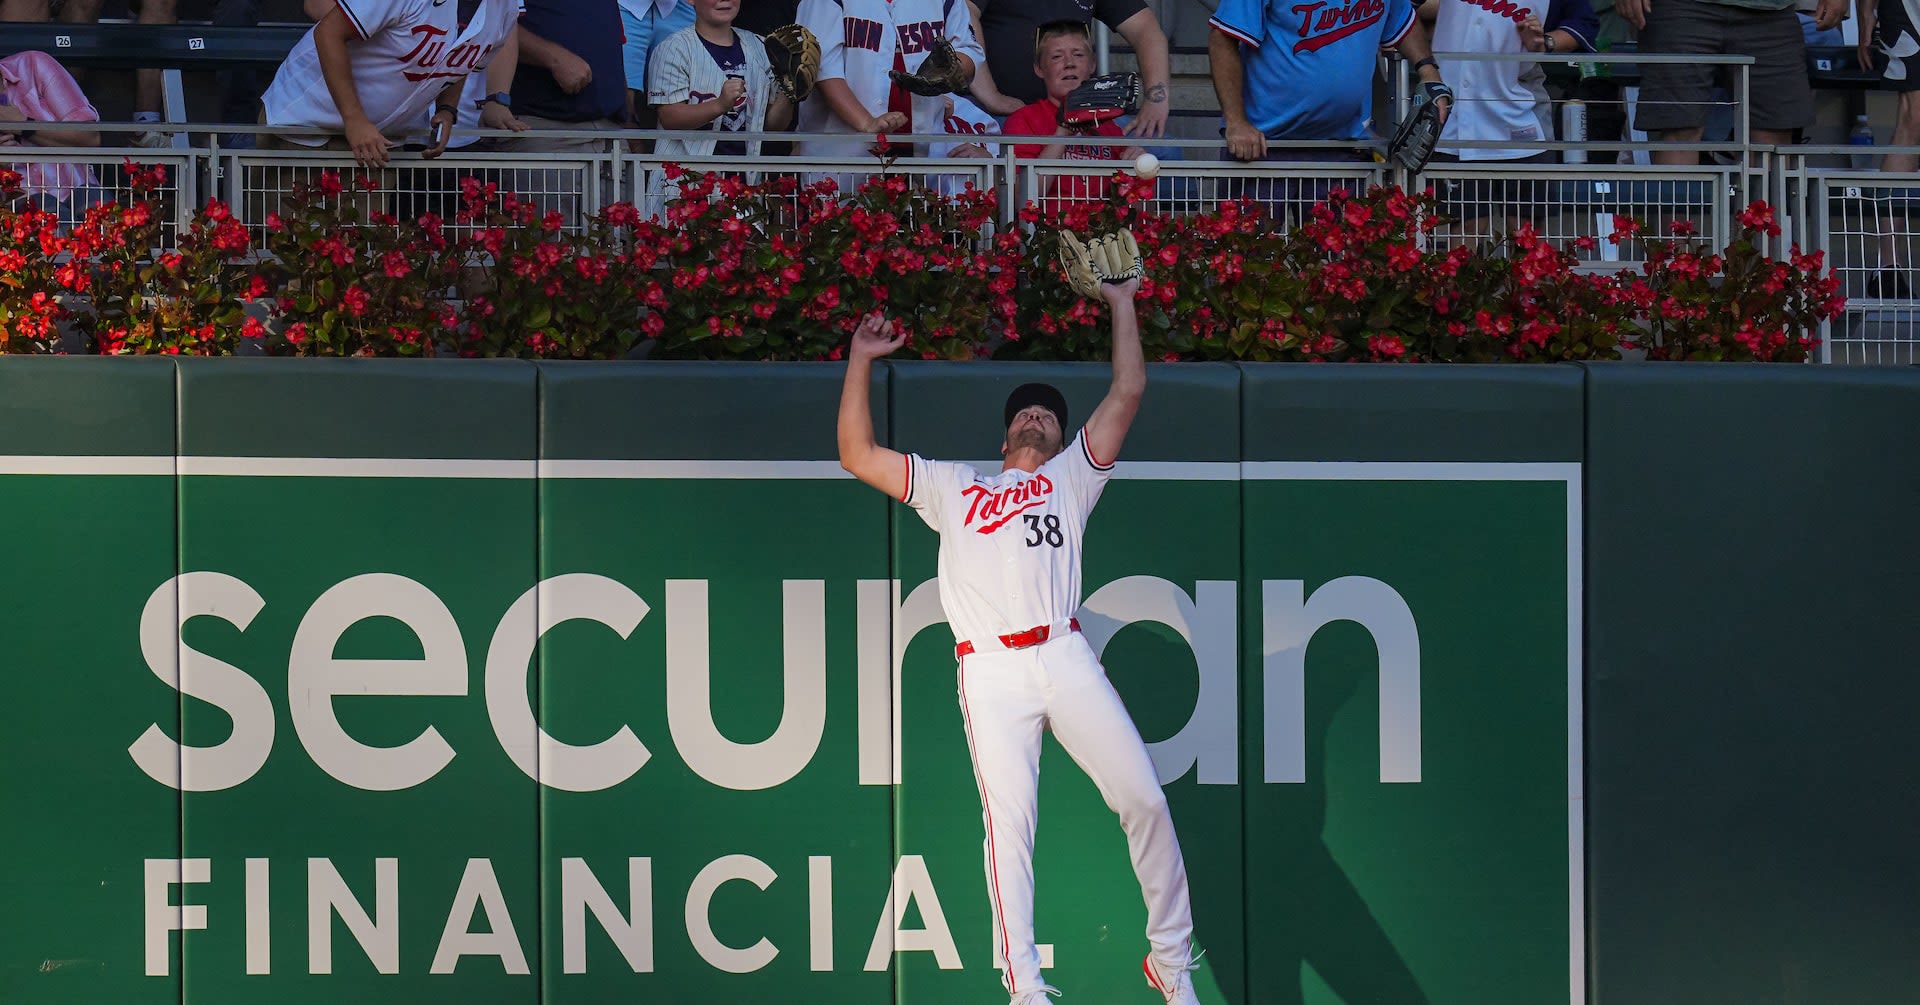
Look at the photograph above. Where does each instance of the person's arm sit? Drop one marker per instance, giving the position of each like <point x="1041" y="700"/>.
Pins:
<point x="446" y="116"/>
<point x="779" y="112"/>
<point x="1416" y="45"/>
<point x="984" y="90"/>
<point x="505" y="62"/>
<point x="65" y="102"/>
<point x="1827" y="14"/>
<point x="1142" y="32"/>
<point x="569" y="71"/>
<point x="318" y="10"/>
<point x="848" y="109"/>
<point x="1223" y="53"/>
<point x="330" y="40"/>
<point x="1107" y="426"/>
<point x="860" y="453"/>
<point x="1572" y="24"/>
<point x="682" y="115"/>
<point x="1865" y="12"/>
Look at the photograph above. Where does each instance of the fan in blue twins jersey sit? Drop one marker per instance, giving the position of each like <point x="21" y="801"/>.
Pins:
<point x="1303" y="69"/>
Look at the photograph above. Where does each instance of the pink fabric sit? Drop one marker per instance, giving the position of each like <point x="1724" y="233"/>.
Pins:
<point x="43" y="89"/>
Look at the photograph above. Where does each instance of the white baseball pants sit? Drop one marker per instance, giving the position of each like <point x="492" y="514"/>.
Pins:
<point x="1007" y="698"/>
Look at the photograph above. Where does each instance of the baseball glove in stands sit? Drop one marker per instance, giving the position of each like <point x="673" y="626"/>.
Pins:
<point x="1100" y="99"/>
<point x="940" y="73"/>
<point x="1413" y="142"/>
<point x="794" y="55"/>
<point x="1111" y="258"/>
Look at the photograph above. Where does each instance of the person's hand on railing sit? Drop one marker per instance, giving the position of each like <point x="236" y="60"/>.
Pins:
<point x="1246" y="142"/>
<point x="368" y="145"/>
<point x="1634" y="12"/>
<point x="891" y="122"/>
<point x="440" y="128"/>
<point x="494" y="115"/>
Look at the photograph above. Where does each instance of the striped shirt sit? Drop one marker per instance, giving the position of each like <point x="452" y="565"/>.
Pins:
<point x="44" y="91"/>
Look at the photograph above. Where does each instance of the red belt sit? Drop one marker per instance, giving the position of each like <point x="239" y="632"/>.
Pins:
<point x="1020" y="640"/>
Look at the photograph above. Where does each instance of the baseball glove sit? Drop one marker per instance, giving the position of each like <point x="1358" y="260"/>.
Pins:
<point x="794" y="55"/>
<point x="940" y="73"/>
<point x="1113" y="258"/>
<point x="1413" y="142"/>
<point x="1100" y="99"/>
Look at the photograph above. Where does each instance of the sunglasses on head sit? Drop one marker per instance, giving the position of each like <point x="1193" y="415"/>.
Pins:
<point x="1064" y="26"/>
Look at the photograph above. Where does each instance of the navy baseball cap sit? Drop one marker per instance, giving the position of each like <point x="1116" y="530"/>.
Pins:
<point x="1045" y="395"/>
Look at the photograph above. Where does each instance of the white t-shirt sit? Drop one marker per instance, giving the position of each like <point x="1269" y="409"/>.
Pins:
<point x="966" y="123"/>
<point x="1010" y="543"/>
<point x="682" y="70"/>
<point x="407" y="51"/>
<point x="858" y="42"/>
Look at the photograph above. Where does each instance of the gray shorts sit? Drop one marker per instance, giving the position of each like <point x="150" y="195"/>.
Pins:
<point x="1674" y="95"/>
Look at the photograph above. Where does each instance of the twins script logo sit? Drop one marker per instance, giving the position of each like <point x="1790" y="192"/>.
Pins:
<point x="1504" y="8"/>
<point x="1322" y="23"/>
<point x="426" y="56"/>
<point x="984" y="503"/>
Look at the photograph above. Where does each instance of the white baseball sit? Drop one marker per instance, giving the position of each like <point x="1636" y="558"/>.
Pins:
<point x="1146" y="165"/>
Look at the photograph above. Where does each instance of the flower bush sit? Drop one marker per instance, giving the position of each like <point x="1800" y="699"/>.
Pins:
<point x="773" y="269"/>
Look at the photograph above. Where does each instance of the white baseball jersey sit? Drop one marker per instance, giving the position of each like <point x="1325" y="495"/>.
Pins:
<point x="1499" y="100"/>
<point x="1010" y="542"/>
<point x="683" y="70"/>
<point x="967" y="123"/>
<point x="860" y="40"/>
<point x="1010" y="562"/>
<point x="407" y="51"/>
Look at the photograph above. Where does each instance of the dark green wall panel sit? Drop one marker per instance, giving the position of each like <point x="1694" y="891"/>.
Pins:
<point x="1751" y="686"/>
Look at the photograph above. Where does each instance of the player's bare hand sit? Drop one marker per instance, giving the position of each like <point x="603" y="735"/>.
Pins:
<point x="570" y="71"/>
<point x="875" y="337"/>
<point x="368" y="145"/>
<point x="1634" y="12"/>
<point x="494" y="115"/>
<point x="1245" y="142"/>
<point x="892" y="122"/>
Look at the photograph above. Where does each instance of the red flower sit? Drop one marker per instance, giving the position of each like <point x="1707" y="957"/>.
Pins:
<point x="1759" y="216"/>
<point x="354" y="301"/>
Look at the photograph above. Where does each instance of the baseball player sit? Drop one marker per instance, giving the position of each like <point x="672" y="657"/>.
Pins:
<point x="860" y="42"/>
<point x="1010" y="584"/>
<point x="371" y="68"/>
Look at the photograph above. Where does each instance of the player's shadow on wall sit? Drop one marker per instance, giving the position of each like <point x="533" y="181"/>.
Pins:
<point x="1320" y="919"/>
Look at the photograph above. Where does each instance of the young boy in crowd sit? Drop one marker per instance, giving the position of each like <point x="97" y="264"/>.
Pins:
<point x="716" y="77"/>
<point x="1063" y="57"/>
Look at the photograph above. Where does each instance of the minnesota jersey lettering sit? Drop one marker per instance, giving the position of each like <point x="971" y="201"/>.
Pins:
<point x="462" y="60"/>
<point x="860" y="41"/>
<point x="1322" y="25"/>
<point x="864" y="34"/>
<point x="998" y="506"/>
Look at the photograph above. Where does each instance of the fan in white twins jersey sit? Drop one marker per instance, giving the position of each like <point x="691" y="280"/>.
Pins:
<point x="1009" y="575"/>
<point x="401" y="59"/>
<point x="860" y="40"/>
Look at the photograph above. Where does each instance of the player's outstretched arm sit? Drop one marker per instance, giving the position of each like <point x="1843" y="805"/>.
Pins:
<point x="870" y="462"/>
<point x="1107" y="427"/>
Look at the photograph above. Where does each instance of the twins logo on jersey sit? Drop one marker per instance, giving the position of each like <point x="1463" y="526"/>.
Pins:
<point x="1504" y="8"/>
<point x="1322" y="23"/>
<point x="917" y="37"/>
<point x="427" y="51"/>
<point x="997" y="507"/>
<point x="732" y="120"/>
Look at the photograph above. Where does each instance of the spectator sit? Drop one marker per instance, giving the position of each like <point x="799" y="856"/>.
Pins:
<point x="34" y="87"/>
<point x="240" y="88"/>
<point x="1267" y="54"/>
<point x="648" y="23"/>
<point x="1888" y="27"/>
<point x="969" y="125"/>
<point x="388" y="61"/>
<point x="146" y="80"/>
<point x="1062" y="58"/>
<point x="1672" y="107"/>
<point x="571" y="76"/>
<point x="860" y="40"/>
<point x="1007" y="27"/>
<point x="1509" y="98"/>
<point x="715" y="77"/>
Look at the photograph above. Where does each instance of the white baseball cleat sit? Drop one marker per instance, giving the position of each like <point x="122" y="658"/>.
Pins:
<point x="1176" y="987"/>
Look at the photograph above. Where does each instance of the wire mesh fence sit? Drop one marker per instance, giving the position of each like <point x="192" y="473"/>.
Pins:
<point x="67" y="183"/>
<point x="1868" y="223"/>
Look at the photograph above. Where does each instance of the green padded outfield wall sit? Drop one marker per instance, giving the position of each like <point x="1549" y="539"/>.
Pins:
<point x="1754" y="568"/>
<point x="498" y="682"/>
